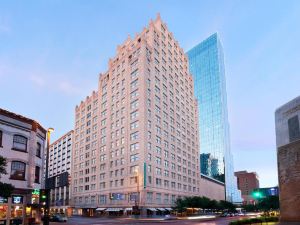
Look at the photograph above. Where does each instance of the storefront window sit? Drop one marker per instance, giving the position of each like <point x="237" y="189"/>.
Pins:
<point x="3" y="211"/>
<point x="16" y="211"/>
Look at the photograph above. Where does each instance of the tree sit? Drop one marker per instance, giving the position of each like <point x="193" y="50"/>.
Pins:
<point x="5" y="189"/>
<point x="224" y="205"/>
<point x="203" y="203"/>
<point x="3" y="165"/>
<point x="180" y="205"/>
<point x="250" y="207"/>
<point x="268" y="203"/>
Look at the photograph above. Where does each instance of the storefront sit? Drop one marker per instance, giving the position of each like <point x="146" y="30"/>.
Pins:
<point x="3" y="210"/>
<point x="19" y="209"/>
<point x="12" y="210"/>
<point x="61" y="210"/>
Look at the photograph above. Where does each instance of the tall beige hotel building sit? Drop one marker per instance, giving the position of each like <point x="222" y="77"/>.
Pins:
<point x="136" y="138"/>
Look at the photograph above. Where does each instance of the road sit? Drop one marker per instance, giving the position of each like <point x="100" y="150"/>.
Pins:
<point x="127" y="221"/>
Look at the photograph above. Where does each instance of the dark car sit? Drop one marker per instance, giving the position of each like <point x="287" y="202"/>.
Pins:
<point x="58" y="218"/>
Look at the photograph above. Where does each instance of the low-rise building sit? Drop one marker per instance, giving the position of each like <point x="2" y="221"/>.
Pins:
<point x="247" y="182"/>
<point x="22" y="142"/>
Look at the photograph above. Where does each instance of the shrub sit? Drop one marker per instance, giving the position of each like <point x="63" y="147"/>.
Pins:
<point x="254" y="220"/>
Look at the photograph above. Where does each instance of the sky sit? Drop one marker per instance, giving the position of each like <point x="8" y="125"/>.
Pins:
<point x="51" y="54"/>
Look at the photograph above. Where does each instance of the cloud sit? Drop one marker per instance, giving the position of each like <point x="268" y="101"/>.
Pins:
<point x="39" y="81"/>
<point x="68" y="88"/>
<point x="65" y="86"/>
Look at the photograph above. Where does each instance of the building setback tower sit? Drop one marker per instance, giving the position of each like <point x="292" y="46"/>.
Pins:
<point x="136" y="138"/>
<point x="206" y="64"/>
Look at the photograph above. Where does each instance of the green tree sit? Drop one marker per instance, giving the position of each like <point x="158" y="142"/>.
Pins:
<point x="203" y="203"/>
<point x="5" y="189"/>
<point x="224" y="205"/>
<point x="3" y="165"/>
<point x="180" y="205"/>
<point x="250" y="207"/>
<point x="268" y="203"/>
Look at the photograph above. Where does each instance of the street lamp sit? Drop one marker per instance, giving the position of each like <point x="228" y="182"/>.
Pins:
<point x="46" y="213"/>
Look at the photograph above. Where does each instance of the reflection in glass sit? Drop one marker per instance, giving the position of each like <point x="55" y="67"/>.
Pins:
<point x="16" y="211"/>
<point x="206" y="64"/>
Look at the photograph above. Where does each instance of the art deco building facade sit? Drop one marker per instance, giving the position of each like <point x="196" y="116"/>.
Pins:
<point x="22" y="142"/>
<point x="136" y="138"/>
<point x="60" y="152"/>
<point x="206" y="64"/>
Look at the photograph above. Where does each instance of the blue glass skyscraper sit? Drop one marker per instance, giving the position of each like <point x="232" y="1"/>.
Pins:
<point x="206" y="62"/>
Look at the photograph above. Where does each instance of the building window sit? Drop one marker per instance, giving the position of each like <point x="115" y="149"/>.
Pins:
<point x="38" y="149"/>
<point x="1" y="133"/>
<point x="20" y="143"/>
<point x="18" y="170"/>
<point x="294" y="130"/>
<point x="37" y="175"/>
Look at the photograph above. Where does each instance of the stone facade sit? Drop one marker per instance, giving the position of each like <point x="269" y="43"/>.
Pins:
<point x="22" y="142"/>
<point x="288" y="156"/>
<point x="136" y="138"/>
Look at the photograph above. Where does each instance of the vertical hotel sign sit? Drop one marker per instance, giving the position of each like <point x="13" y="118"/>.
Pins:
<point x="145" y="175"/>
<point x="35" y="196"/>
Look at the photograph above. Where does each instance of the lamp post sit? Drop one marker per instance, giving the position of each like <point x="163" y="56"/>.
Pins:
<point x="46" y="212"/>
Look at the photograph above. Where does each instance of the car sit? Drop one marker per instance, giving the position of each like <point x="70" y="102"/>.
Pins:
<point x="64" y="218"/>
<point x="224" y="214"/>
<point x="170" y="217"/>
<point x="58" y="218"/>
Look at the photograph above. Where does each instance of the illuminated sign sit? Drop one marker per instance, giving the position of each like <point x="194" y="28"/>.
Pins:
<point x="3" y="200"/>
<point x="35" y="196"/>
<point x="117" y="196"/>
<point x="28" y="211"/>
<point x="17" y="199"/>
<point x="133" y="196"/>
<point x="36" y="192"/>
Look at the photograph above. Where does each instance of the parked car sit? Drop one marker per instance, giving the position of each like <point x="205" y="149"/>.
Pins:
<point x="224" y="214"/>
<point x="170" y="217"/>
<point x="58" y="218"/>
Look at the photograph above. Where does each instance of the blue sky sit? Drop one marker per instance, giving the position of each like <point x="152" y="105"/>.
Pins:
<point x="51" y="53"/>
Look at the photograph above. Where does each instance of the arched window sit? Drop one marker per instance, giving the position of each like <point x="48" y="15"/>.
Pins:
<point x="20" y="143"/>
<point x="18" y="170"/>
<point x="38" y="149"/>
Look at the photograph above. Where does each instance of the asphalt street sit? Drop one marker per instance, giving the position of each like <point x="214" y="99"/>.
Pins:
<point x="128" y="221"/>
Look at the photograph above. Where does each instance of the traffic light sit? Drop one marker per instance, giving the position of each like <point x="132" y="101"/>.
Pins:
<point x="257" y="194"/>
<point x="44" y="196"/>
